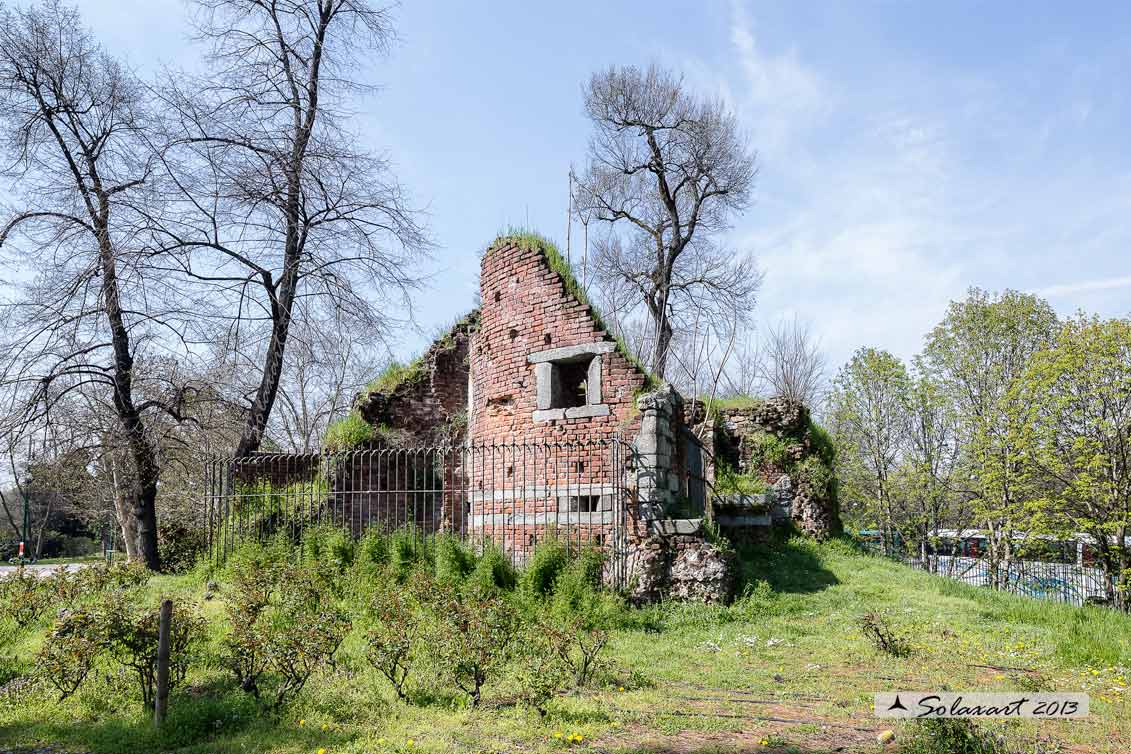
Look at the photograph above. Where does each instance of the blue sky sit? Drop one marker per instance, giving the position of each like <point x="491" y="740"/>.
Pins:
<point x="907" y="152"/>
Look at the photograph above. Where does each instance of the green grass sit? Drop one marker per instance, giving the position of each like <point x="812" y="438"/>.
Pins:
<point x="734" y="402"/>
<point x="685" y="677"/>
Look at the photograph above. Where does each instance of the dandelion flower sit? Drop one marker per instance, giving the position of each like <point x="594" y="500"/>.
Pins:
<point x="321" y="751"/>
<point x="620" y="688"/>
<point x="301" y="723"/>
<point x="325" y="727"/>
<point x="411" y="742"/>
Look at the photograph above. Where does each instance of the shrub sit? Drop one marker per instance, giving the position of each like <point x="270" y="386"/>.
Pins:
<point x="397" y="623"/>
<point x="540" y="671"/>
<point x="453" y="560"/>
<point x="63" y="586"/>
<point x="24" y="596"/>
<point x="578" y="646"/>
<point x="877" y="630"/>
<point x="408" y="549"/>
<point x="179" y="545"/>
<point x="301" y="632"/>
<point x="548" y="560"/>
<point x="283" y="621"/>
<point x="580" y="579"/>
<point x="373" y="549"/>
<point x="494" y="571"/>
<point x="131" y="634"/>
<point x="949" y="735"/>
<point x="70" y="650"/>
<point x="475" y="635"/>
<point x="251" y="590"/>
<point x="348" y="433"/>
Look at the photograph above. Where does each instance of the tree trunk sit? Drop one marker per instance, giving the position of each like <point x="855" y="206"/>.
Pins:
<point x="144" y="490"/>
<point x="124" y="514"/>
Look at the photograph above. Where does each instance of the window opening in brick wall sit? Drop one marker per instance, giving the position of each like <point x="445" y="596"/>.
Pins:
<point x="571" y="380"/>
<point x="584" y="503"/>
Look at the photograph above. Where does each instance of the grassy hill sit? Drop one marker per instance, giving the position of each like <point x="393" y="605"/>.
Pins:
<point x="784" y="669"/>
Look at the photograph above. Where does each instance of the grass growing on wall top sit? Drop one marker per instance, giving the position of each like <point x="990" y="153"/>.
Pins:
<point x="396" y="374"/>
<point x="528" y="239"/>
<point x="348" y="433"/>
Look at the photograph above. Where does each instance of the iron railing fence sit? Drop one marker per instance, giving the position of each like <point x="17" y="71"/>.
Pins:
<point x="513" y="495"/>
<point x="1071" y="583"/>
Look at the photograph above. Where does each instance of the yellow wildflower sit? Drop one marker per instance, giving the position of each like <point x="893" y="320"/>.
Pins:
<point x="301" y="723"/>
<point x="620" y="688"/>
<point x="321" y="751"/>
<point x="411" y="742"/>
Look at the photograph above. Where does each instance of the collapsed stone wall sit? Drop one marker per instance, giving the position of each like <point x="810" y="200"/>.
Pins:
<point x="799" y="472"/>
<point x="428" y="406"/>
<point x="684" y="567"/>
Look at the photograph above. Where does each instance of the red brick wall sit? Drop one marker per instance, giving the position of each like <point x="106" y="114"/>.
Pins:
<point x="527" y="309"/>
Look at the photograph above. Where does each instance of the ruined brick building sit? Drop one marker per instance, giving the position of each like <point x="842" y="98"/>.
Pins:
<point x="558" y="428"/>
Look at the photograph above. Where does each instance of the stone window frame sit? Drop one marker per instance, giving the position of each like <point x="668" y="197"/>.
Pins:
<point x="544" y="362"/>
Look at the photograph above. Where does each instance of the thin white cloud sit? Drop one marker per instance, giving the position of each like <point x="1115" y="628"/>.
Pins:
<point x="1088" y="286"/>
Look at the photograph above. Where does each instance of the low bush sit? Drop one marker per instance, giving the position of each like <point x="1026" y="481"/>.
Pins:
<point x="881" y="635"/>
<point x="180" y="544"/>
<point x="454" y="561"/>
<point x="284" y="623"/>
<point x="548" y="560"/>
<point x="948" y="735"/>
<point x="70" y="650"/>
<point x="24" y="597"/>
<point x="130" y="633"/>
<point x="493" y="571"/>
<point x="395" y="631"/>
<point x="474" y="635"/>
<point x="301" y="632"/>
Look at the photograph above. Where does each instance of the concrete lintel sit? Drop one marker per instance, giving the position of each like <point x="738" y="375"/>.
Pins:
<point x="741" y="521"/>
<point x="549" y="414"/>
<point x="571" y="352"/>
<point x="584" y="412"/>
<point x="501" y="520"/>
<point x="668" y="527"/>
<point x="543" y="492"/>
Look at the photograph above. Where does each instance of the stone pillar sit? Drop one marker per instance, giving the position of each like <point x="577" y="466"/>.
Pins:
<point x="657" y="481"/>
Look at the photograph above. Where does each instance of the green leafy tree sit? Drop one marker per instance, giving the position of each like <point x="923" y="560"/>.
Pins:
<point x="976" y="354"/>
<point x="868" y="404"/>
<point x="1073" y="429"/>
<point x="931" y="461"/>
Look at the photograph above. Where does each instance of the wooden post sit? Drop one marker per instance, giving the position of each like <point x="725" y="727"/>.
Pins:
<point x="161" y="703"/>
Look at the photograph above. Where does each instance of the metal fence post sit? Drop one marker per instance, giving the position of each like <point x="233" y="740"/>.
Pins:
<point x="161" y="703"/>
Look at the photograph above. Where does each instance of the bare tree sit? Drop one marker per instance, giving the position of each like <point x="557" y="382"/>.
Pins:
<point x="744" y="373"/>
<point x="793" y="364"/>
<point x="276" y="203"/>
<point x="80" y="317"/>
<point x="667" y="171"/>
<point x="327" y="368"/>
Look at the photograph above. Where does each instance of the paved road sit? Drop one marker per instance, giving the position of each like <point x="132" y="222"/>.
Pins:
<point x="41" y="570"/>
